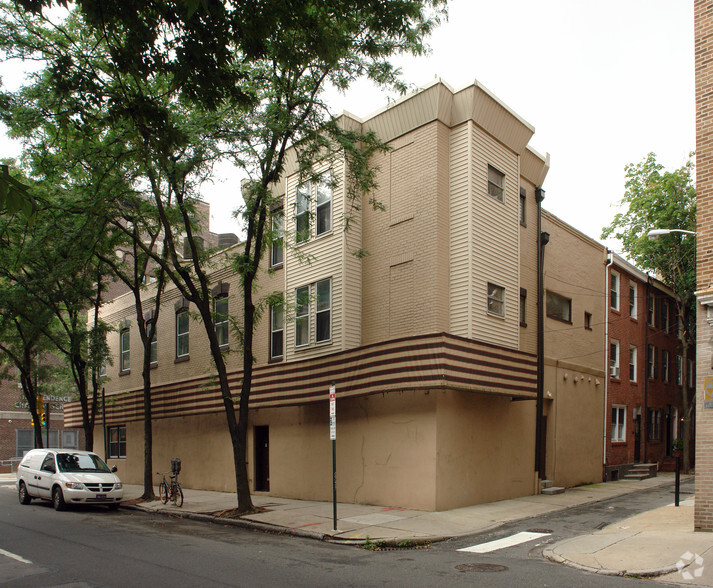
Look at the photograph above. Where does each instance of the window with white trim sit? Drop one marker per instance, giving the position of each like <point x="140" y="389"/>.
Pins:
<point x="651" y="310"/>
<point x="665" y="316"/>
<point x="277" y="331"/>
<point x="665" y="363"/>
<point x="614" y="290"/>
<point x="654" y="424"/>
<point x="633" y="306"/>
<point x="323" y="199"/>
<point x="221" y="320"/>
<point x="125" y="346"/>
<point x="618" y="424"/>
<point x="302" y="229"/>
<point x="651" y="362"/>
<point x="277" y="251"/>
<point x="302" y="306"/>
<point x="496" y="184"/>
<point x="632" y="363"/>
<point x="496" y="299"/>
<point x="324" y="310"/>
<point x="182" y="332"/>
<point x="614" y="358"/>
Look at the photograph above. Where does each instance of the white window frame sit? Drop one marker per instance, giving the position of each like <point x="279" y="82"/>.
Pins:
<point x="618" y="424"/>
<point x="302" y="212"/>
<point x="651" y="354"/>
<point x="496" y="184"/>
<point x="615" y="290"/>
<point x="277" y="250"/>
<point x="633" y="363"/>
<point x="651" y="310"/>
<point x="323" y="309"/>
<point x="614" y="353"/>
<point x="277" y="329"/>
<point x="302" y="316"/>
<point x="496" y="300"/>
<point x="221" y="321"/>
<point x="633" y="301"/>
<point x="654" y="424"/>
<point x="125" y="350"/>
<point x="665" y="365"/>
<point x="323" y="204"/>
<point x="183" y="335"/>
<point x="665" y="316"/>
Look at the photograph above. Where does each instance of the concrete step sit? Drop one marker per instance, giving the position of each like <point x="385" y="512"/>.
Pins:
<point x="553" y="490"/>
<point x="545" y="484"/>
<point x="636" y="476"/>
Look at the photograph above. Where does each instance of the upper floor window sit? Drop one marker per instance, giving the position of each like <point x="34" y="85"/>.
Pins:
<point x="559" y="307"/>
<point x="651" y="309"/>
<point x="523" y="307"/>
<point x="632" y="363"/>
<point x="151" y="330"/>
<point x="665" y="361"/>
<point x="665" y="316"/>
<point x="496" y="299"/>
<point x="125" y="346"/>
<point x="614" y="359"/>
<point x="588" y="321"/>
<point x="277" y="251"/>
<point x="614" y="290"/>
<point x="220" y="312"/>
<point x="182" y="332"/>
<point x="496" y="184"/>
<point x="324" y="310"/>
<point x="651" y="362"/>
<point x="277" y="331"/>
<point x="302" y="306"/>
<point x="523" y="206"/>
<point x="321" y="193"/>
<point x="302" y="212"/>
<point x="633" y="306"/>
<point x="324" y="203"/>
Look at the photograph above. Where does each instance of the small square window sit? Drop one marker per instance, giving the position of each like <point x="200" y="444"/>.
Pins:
<point x="588" y="321"/>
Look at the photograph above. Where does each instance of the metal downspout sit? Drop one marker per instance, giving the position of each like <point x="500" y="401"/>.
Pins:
<point x="539" y="441"/>
<point x="607" y="265"/>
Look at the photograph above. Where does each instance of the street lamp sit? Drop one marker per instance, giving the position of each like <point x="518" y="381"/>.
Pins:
<point x="656" y="233"/>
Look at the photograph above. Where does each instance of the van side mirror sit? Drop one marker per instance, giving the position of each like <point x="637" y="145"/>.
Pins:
<point x="114" y="469"/>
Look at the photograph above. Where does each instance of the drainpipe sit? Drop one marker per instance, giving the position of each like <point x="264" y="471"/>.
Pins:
<point x="645" y="418"/>
<point x="542" y="240"/>
<point x="607" y="265"/>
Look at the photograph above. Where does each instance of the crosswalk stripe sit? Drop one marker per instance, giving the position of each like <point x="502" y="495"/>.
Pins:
<point x="15" y="557"/>
<point x="517" y="539"/>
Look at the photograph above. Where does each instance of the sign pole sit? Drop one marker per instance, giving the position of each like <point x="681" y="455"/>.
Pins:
<point x="333" y="437"/>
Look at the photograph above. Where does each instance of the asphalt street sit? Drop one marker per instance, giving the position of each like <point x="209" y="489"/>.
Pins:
<point x="95" y="547"/>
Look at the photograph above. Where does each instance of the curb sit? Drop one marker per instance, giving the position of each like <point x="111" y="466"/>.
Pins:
<point x="651" y="573"/>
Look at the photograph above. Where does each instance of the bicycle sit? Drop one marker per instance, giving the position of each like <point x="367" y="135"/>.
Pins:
<point x="170" y="490"/>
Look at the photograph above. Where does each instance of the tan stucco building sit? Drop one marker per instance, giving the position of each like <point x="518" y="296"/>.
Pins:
<point x="430" y="339"/>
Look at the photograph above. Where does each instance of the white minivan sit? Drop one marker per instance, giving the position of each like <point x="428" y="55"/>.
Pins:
<point x="67" y="476"/>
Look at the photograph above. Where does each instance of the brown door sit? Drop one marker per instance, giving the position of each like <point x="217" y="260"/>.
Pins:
<point x="262" y="459"/>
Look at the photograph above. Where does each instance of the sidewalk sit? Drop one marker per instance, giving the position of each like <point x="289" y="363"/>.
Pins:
<point x="652" y="543"/>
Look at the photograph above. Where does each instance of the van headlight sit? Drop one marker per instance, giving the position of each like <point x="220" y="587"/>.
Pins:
<point x="118" y="486"/>
<point x="75" y="485"/>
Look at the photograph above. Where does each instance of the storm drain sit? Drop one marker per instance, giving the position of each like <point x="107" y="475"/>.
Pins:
<point x="480" y="567"/>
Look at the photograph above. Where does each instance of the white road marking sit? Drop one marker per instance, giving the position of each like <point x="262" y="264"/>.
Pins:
<point x="15" y="557"/>
<point x="522" y="537"/>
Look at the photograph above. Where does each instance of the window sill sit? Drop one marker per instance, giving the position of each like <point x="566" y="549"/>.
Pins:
<point x="277" y="266"/>
<point x="524" y="325"/>
<point x="279" y="359"/>
<point x="182" y="358"/>
<point x="154" y="365"/>
<point x="124" y="373"/>
<point x="496" y="316"/>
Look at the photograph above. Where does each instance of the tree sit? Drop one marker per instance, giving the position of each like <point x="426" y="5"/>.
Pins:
<point x="194" y="81"/>
<point x="658" y="199"/>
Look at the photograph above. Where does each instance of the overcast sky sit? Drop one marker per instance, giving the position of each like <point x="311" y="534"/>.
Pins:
<point x="603" y="83"/>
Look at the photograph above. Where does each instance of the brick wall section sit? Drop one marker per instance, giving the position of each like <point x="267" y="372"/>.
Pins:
<point x="703" y="9"/>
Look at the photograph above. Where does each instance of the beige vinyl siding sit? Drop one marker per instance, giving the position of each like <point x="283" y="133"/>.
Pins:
<point x="327" y="261"/>
<point x="352" y="276"/>
<point x="484" y="237"/>
<point x="460" y="222"/>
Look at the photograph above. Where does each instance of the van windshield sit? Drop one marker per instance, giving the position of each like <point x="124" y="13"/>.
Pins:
<point x="73" y="462"/>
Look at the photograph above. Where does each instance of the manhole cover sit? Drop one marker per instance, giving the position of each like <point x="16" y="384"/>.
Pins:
<point x="480" y="567"/>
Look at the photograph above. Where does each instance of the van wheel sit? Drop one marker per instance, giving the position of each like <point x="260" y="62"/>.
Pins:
<point x="58" y="499"/>
<point x="23" y="495"/>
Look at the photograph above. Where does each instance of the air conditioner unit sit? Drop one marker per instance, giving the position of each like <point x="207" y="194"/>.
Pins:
<point x="614" y="371"/>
